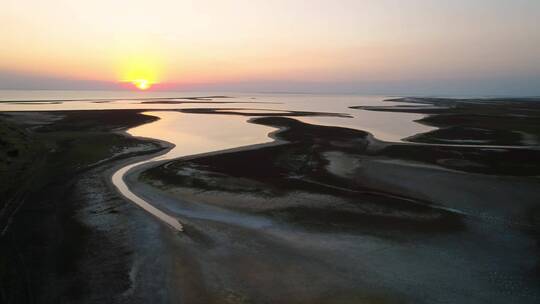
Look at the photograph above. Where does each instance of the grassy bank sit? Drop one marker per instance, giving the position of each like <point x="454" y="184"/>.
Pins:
<point x="42" y="156"/>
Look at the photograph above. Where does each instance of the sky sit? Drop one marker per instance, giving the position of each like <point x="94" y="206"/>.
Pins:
<point x="459" y="47"/>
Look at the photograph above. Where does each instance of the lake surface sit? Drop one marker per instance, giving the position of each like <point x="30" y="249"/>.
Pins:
<point x="195" y="133"/>
<point x="384" y="126"/>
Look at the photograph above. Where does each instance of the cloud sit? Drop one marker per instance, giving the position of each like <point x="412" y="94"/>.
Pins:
<point x="26" y="81"/>
<point x="510" y="85"/>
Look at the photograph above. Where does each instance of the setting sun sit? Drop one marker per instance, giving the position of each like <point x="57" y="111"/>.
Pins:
<point x="270" y="151"/>
<point x="141" y="84"/>
<point x="142" y="69"/>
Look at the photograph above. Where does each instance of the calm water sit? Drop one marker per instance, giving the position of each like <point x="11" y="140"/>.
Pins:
<point x="385" y="126"/>
<point x="191" y="134"/>
<point x="203" y="133"/>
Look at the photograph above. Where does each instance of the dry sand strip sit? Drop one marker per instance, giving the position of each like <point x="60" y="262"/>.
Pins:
<point x="118" y="182"/>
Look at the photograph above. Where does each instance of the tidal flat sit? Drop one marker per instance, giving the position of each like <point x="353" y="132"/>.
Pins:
<point x="290" y="210"/>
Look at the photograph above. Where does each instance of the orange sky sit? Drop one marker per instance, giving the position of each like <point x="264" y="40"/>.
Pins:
<point x="213" y="41"/>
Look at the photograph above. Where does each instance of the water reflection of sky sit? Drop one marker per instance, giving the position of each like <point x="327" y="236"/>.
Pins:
<point x="388" y="126"/>
<point x="194" y="134"/>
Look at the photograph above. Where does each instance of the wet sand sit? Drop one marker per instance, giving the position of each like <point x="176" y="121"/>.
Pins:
<point x="320" y="215"/>
<point x="367" y="227"/>
<point x="67" y="236"/>
<point x="495" y="121"/>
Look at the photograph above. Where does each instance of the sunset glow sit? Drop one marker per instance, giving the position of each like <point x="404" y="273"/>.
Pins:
<point x="269" y="151"/>
<point x="142" y="84"/>
<point x="139" y="67"/>
<point x="262" y="44"/>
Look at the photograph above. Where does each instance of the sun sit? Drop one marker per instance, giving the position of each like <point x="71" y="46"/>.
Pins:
<point x="142" y="84"/>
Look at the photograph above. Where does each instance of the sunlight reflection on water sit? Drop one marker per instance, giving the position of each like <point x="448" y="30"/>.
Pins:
<point x="383" y="125"/>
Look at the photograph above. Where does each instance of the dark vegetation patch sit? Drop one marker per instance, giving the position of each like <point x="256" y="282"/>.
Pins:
<point x="500" y="161"/>
<point x="257" y="112"/>
<point x="41" y="248"/>
<point x="382" y="224"/>
<point x="471" y="135"/>
<point x="18" y="153"/>
<point x="300" y="156"/>
<point x="300" y="166"/>
<point x="97" y="120"/>
<point x="498" y="121"/>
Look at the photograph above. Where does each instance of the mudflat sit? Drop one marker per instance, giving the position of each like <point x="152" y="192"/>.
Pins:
<point x="62" y="236"/>
<point x="341" y="216"/>
<point x="320" y="214"/>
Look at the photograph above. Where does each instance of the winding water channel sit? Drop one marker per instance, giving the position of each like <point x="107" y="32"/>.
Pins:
<point x="190" y="135"/>
<point x="483" y="259"/>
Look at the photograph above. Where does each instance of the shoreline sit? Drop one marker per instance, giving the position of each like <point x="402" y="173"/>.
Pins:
<point x="335" y="209"/>
<point x="140" y="165"/>
<point x="228" y="207"/>
<point x="65" y="268"/>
